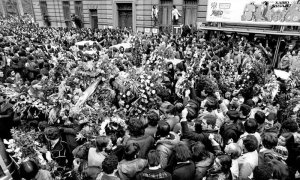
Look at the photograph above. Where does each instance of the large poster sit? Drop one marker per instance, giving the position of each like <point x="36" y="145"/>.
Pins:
<point x="272" y="12"/>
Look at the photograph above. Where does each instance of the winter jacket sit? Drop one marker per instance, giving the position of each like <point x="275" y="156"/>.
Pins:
<point x="203" y="166"/>
<point x="6" y="120"/>
<point x="145" y="142"/>
<point x="96" y="158"/>
<point x="129" y="169"/>
<point x="184" y="171"/>
<point x="165" y="148"/>
<point x="231" y="128"/>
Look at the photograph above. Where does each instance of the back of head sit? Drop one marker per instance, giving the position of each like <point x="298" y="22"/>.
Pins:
<point x="153" y="158"/>
<point x="153" y="118"/>
<point x="136" y="127"/>
<point x="289" y="126"/>
<point x="250" y="143"/>
<point x="260" y="117"/>
<point x="110" y="164"/>
<point x="251" y="126"/>
<point x="245" y="109"/>
<point x="131" y="150"/>
<point x="269" y="140"/>
<point x="263" y="172"/>
<point x="182" y="152"/>
<point x="199" y="152"/>
<point x="233" y="115"/>
<point x="226" y="162"/>
<point x="102" y="142"/>
<point x="163" y="129"/>
<point x="28" y="170"/>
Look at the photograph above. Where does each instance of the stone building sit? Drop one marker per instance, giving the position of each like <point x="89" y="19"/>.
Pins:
<point x="16" y="7"/>
<point x="117" y="13"/>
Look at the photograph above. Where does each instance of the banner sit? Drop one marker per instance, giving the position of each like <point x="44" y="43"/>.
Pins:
<point x="265" y="12"/>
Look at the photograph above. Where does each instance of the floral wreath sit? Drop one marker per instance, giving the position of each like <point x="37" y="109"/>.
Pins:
<point x="108" y="123"/>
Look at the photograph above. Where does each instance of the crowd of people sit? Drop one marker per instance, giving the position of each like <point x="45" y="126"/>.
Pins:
<point x="130" y="105"/>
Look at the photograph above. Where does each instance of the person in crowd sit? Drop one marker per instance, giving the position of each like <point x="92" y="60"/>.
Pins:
<point x="250" y="129"/>
<point x="184" y="167"/>
<point x="137" y="135"/>
<point x="131" y="165"/>
<point x="235" y="151"/>
<point x="262" y="172"/>
<point x="203" y="160"/>
<point x="6" y="117"/>
<point x="96" y="155"/>
<point x="153" y="119"/>
<point x="220" y="168"/>
<point x="166" y="140"/>
<point x="29" y="170"/>
<point x="292" y="144"/>
<point x="58" y="149"/>
<point x="154" y="171"/>
<point x="249" y="160"/>
<point x="110" y="168"/>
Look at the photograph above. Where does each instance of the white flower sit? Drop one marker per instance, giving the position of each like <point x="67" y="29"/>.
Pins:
<point x="147" y="88"/>
<point x="153" y="91"/>
<point x="151" y="85"/>
<point x="128" y="93"/>
<point x="149" y="77"/>
<point x="148" y="81"/>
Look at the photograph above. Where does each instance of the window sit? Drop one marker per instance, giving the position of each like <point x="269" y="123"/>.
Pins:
<point x="190" y="12"/>
<point x="165" y="12"/>
<point x="79" y="9"/>
<point x="44" y="10"/>
<point x="94" y="18"/>
<point x="67" y="13"/>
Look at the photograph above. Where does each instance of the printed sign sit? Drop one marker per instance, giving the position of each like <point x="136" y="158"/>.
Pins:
<point x="154" y="31"/>
<point x="147" y="30"/>
<point x="267" y="12"/>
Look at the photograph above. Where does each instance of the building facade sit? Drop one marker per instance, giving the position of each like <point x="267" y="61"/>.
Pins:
<point x="117" y="13"/>
<point x="16" y="7"/>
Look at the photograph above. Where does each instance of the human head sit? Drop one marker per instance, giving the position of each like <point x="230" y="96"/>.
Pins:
<point x="269" y="140"/>
<point x="222" y="163"/>
<point x="245" y="110"/>
<point x="163" y="129"/>
<point x="250" y="143"/>
<point x="233" y="115"/>
<point x="102" y="143"/>
<point x="136" y="127"/>
<point x="28" y="170"/>
<point x="110" y="164"/>
<point x="289" y="126"/>
<point x="250" y="126"/>
<point x="174" y="7"/>
<point x="52" y="133"/>
<point x="270" y="120"/>
<point x="260" y="117"/>
<point x="153" y="158"/>
<point x="153" y="118"/>
<point x="182" y="152"/>
<point x="209" y="122"/>
<point x="131" y="151"/>
<point x="199" y="152"/>
<point x="154" y="6"/>
<point x="263" y="172"/>
<point x="234" y="150"/>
